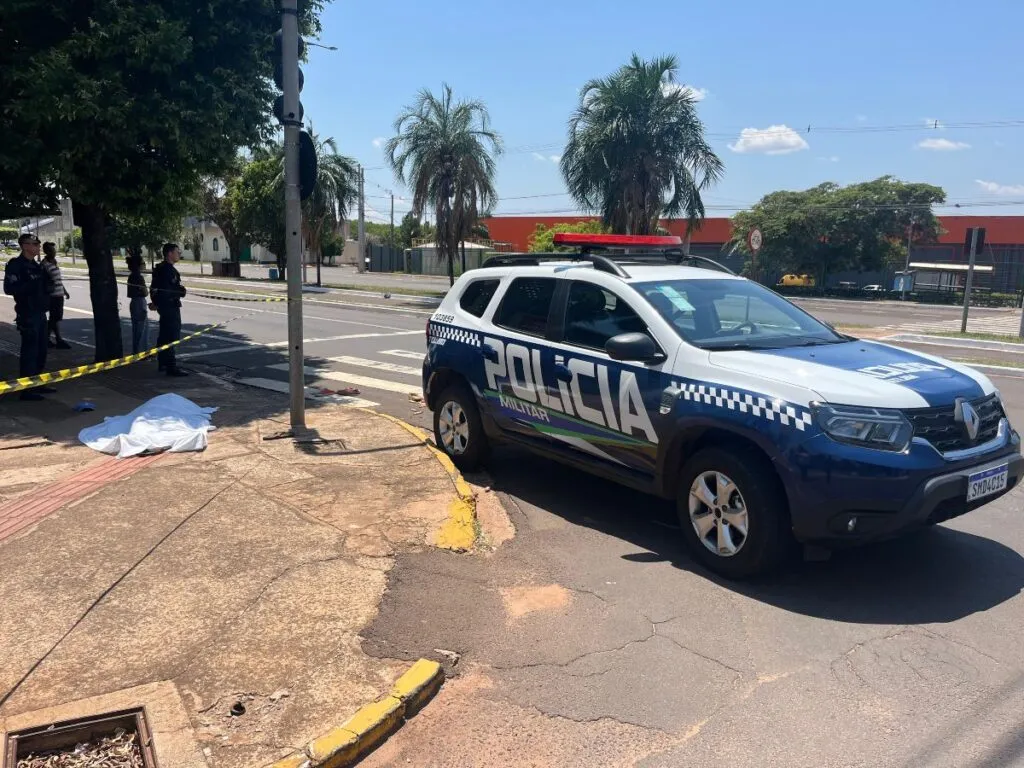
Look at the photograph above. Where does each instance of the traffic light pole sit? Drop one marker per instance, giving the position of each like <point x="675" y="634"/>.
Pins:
<point x="293" y="212"/>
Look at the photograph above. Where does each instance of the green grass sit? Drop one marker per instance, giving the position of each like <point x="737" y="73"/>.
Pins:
<point x="976" y="336"/>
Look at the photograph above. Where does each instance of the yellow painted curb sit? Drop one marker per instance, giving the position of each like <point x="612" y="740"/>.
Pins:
<point x="369" y="726"/>
<point x="458" y="532"/>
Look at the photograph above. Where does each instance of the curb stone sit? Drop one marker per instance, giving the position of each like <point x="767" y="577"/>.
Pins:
<point x="458" y="533"/>
<point x="372" y="724"/>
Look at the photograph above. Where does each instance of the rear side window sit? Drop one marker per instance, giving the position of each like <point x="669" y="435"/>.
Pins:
<point x="526" y="305"/>
<point x="478" y="295"/>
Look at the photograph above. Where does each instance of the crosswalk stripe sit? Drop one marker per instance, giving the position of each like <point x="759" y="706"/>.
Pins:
<point x="403" y="353"/>
<point x="356" y="380"/>
<point x="362" y="362"/>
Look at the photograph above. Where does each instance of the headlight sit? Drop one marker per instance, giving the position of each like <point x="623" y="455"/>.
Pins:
<point x="880" y="428"/>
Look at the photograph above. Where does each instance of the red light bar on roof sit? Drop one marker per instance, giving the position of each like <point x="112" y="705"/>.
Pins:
<point x="617" y="241"/>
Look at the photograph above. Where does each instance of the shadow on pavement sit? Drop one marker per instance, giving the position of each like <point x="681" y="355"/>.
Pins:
<point x="937" y="575"/>
<point x="56" y="420"/>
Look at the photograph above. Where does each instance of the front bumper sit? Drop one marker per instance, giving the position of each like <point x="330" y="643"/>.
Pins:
<point x="886" y="500"/>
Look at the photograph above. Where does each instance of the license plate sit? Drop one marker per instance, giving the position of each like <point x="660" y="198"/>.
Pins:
<point x="982" y="484"/>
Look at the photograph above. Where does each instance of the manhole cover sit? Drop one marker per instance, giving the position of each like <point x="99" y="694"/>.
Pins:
<point x="114" y="740"/>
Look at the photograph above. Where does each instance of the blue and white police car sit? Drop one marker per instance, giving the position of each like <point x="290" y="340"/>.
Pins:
<point x="766" y="425"/>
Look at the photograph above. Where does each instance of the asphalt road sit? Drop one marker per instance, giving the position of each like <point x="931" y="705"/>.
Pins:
<point x="590" y="639"/>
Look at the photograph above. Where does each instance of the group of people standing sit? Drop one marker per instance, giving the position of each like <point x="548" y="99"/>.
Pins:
<point x="39" y="294"/>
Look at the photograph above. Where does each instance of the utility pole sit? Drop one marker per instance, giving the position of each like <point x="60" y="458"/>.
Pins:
<point x="293" y="212"/>
<point x="970" y="279"/>
<point x="906" y="267"/>
<point x="392" y="242"/>
<point x="361" y="266"/>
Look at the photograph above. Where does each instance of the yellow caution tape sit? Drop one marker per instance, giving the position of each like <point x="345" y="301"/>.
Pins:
<point x="27" y="382"/>
<point x="237" y="298"/>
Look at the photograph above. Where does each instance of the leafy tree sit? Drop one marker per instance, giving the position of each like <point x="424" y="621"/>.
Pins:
<point x="636" y="149"/>
<point x="335" y="189"/>
<point x="8" y="235"/>
<point x="134" y="233"/>
<point x="542" y="239"/>
<point x="257" y="198"/>
<point x="829" y="227"/>
<point x="124" y="106"/>
<point x="412" y="229"/>
<point x="215" y="203"/>
<point x="444" y="151"/>
<point x="73" y="240"/>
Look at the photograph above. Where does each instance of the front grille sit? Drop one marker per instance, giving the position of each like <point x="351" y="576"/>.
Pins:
<point x="940" y="428"/>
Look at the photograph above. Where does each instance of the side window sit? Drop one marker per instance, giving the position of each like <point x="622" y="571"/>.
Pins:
<point x="478" y="295"/>
<point x="526" y="305"/>
<point x="594" y="315"/>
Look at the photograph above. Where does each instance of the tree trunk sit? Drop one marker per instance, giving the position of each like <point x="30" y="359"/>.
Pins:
<point x="102" y="282"/>
<point x="463" y="257"/>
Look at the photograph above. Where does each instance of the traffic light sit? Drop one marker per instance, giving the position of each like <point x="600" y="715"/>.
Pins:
<point x="279" y="78"/>
<point x="307" y="165"/>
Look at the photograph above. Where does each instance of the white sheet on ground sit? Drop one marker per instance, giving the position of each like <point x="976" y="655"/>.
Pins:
<point x="165" y="423"/>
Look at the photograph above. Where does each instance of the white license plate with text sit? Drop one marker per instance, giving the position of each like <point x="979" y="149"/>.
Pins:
<point x="982" y="484"/>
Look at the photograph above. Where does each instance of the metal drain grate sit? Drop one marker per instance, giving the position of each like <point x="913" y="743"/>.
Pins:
<point x="59" y="740"/>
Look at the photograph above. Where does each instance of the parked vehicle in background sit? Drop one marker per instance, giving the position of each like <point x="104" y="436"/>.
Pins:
<point x="874" y="289"/>
<point x="807" y="281"/>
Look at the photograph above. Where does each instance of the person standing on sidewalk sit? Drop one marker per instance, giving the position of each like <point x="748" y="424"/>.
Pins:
<point x="26" y="281"/>
<point x="166" y="292"/>
<point x="58" y="293"/>
<point x="137" y="293"/>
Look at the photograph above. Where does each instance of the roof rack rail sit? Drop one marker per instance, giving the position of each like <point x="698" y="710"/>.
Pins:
<point x="674" y="256"/>
<point x="600" y="263"/>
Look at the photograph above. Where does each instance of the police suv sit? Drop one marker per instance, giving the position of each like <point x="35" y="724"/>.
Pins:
<point x="766" y="425"/>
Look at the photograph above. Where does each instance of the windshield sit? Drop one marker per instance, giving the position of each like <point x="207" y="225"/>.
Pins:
<point x="734" y="314"/>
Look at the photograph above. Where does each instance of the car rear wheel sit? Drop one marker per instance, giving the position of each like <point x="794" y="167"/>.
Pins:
<point x="458" y="430"/>
<point x="733" y="513"/>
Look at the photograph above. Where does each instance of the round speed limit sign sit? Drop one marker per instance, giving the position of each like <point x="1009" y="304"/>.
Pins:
<point x="755" y="239"/>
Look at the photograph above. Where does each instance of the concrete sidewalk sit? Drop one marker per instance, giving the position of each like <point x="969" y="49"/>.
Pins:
<point x="195" y="582"/>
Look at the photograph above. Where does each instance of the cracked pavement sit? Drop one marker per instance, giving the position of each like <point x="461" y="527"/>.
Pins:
<point x="591" y="639"/>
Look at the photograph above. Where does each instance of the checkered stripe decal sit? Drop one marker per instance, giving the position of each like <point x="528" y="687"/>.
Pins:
<point x="451" y="333"/>
<point x="762" y="407"/>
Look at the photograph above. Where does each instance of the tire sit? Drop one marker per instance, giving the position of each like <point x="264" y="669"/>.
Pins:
<point x="466" y="445"/>
<point x="753" y="520"/>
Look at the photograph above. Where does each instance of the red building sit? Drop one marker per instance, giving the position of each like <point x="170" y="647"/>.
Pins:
<point x="1004" y="243"/>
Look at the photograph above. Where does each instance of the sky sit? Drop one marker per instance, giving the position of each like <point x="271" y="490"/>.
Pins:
<point x="792" y="92"/>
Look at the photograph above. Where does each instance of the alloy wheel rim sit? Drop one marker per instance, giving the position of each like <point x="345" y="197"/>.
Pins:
<point x="718" y="513"/>
<point x="454" y="428"/>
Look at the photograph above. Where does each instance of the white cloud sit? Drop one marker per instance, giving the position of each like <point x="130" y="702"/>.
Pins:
<point x="942" y="145"/>
<point x="862" y="118"/>
<point x="379" y="142"/>
<point x="697" y="94"/>
<point x="773" y="140"/>
<point x="539" y="156"/>
<point x="546" y="158"/>
<point x="1000" y="189"/>
<point x="555" y="158"/>
<point x="830" y="159"/>
<point x="935" y="123"/>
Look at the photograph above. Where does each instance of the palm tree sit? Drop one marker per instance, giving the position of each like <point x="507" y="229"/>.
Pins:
<point x="335" y="190"/>
<point x="636" y="150"/>
<point x="444" y="151"/>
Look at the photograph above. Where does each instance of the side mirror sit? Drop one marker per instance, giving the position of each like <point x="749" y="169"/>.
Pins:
<point x="633" y="348"/>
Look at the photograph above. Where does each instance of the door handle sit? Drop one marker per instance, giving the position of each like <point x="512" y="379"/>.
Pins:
<point x="489" y="352"/>
<point x="562" y="372"/>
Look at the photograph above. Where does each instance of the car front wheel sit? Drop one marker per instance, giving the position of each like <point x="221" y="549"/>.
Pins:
<point x="733" y="513"/>
<point x="458" y="430"/>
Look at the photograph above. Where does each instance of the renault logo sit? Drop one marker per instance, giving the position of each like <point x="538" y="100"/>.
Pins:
<point x="966" y="415"/>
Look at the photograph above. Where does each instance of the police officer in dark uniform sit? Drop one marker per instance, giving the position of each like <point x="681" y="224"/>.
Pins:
<point x="166" y="292"/>
<point x="27" y="281"/>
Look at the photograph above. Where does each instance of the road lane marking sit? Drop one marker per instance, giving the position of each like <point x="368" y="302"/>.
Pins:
<point x="403" y="353"/>
<point x="362" y="362"/>
<point x="355" y="379"/>
<point x="280" y="344"/>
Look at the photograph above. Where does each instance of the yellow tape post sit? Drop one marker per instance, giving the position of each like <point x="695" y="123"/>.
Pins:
<point x="50" y="377"/>
<point x="238" y="298"/>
